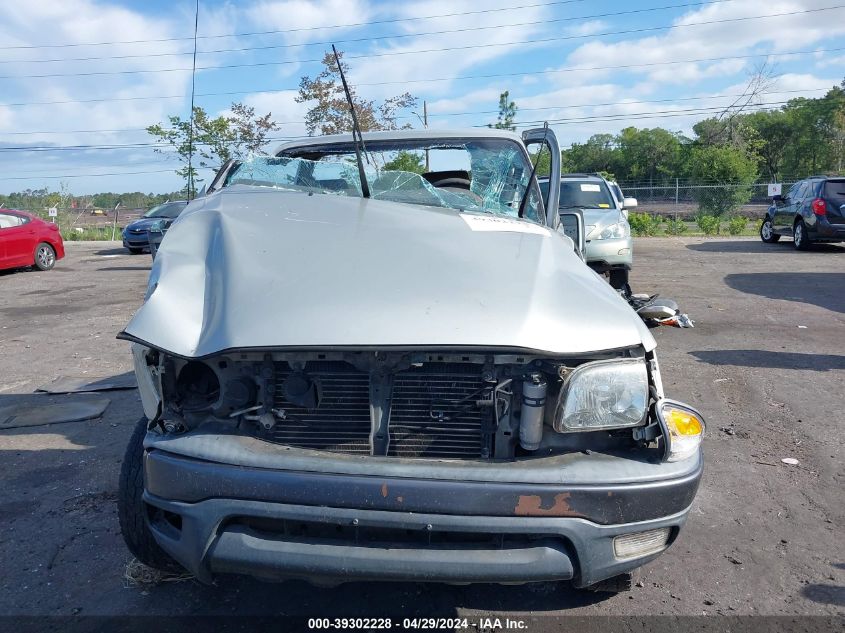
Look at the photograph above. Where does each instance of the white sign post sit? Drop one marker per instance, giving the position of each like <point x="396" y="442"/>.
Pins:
<point x="775" y="189"/>
<point x="53" y="211"/>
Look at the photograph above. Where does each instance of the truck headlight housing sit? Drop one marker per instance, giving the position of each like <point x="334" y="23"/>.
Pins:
<point x="615" y="231"/>
<point x="603" y="395"/>
<point x="683" y="428"/>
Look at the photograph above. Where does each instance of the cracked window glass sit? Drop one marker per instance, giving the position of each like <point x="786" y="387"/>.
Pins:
<point x="472" y="175"/>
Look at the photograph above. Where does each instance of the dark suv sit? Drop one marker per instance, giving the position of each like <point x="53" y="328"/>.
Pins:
<point x="813" y="210"/>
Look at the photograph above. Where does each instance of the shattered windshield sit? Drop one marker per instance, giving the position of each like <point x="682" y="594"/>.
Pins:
<point x="484" y="175"/>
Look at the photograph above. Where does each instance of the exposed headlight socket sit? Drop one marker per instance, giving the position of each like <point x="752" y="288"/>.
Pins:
<point x="532" y="412"/>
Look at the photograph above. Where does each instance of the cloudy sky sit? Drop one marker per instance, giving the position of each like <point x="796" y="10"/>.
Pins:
<point x="81" y="79"/>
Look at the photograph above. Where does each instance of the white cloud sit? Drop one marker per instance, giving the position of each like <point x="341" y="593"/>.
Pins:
<point x="395" y="64"/>
<point x="718" y="39"/>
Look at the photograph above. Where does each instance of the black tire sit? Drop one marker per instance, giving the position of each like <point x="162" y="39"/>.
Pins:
<point x="617" y="584"/>
<point x="45" y="256"/>
<point x="800" y="239"/>
<point x="131" y="509"/>
<point x="767" y="231"/>
<point x="136" y="251"/>
<point x="618" y="278"/>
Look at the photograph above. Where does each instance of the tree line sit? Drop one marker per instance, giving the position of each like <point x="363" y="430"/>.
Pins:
<point x="802" y="138"/>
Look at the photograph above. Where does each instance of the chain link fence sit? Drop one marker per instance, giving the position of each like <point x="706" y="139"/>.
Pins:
<point x="679" y="198"/>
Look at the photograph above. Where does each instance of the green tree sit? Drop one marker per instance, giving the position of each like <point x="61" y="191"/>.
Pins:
<point x="211" y="141"/>
<point x="406" y="161"/>
<point x="773" y="133"/>
<point x="726" y="175"/>
<point x="648" y="154"/>
<point x="507" y="113"/>
<point x="330" y="112"/>
<point x="598" y="153"/>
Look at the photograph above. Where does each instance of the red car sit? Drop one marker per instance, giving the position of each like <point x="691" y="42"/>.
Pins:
<point x="26" y="240"/>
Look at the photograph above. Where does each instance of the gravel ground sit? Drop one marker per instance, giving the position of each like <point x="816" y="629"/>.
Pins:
<point x="765" y="363"/>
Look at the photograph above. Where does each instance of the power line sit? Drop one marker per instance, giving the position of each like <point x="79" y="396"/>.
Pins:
<point x="568" y="106"/>
<point x="575" y="69"/>
<point x="438" y="79"/>
<point x="608" y="117"/>
<point x="63" y="176"/>
<point x="644" y="115"/>
<point x="299" y="30"/>
<point x="431" y="50"/>
<point x="371" y="39"/>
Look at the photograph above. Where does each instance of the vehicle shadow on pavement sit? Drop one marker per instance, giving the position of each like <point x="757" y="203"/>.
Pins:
<point x="772" y="360"/>
<point x="825" y="594"/>
<point x="233" y="594"/>
<point x="114" y="268"/>
<point x="752" y="246"/>
<point x="112" y="251"/>
<point x="822" y="289"/>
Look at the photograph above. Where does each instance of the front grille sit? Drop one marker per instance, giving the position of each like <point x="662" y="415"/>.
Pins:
<point x="434" y="413"/>
<point x="341" y="422"/>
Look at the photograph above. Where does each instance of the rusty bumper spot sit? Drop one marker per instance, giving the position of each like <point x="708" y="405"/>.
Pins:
<point x="532" y="506"/>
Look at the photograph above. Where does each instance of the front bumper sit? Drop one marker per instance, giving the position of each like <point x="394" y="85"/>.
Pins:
<point x="132" y="240"/>
<point x="608" y="254"/>
<point x="273" y="523"/>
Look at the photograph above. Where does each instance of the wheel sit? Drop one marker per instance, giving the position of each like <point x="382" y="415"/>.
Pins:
<point x="136" y="251"/>
<point x="767" y="232"/>
<point x="619" y="278"/>
<point x="131" y="509"/>
<point x="616" y="584"/>
<point x="45" y="256"/>
<point x="801" y="240"/>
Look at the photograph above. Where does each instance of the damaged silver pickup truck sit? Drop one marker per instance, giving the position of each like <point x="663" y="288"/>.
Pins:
<point x="372" y="373"/>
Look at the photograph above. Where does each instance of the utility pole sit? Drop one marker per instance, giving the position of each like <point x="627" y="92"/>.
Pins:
<point x="425" y="123"/>
<point x="191" y="185"/>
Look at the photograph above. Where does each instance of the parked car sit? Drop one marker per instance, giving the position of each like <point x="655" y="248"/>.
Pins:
<point x="136" y="234"/>
<point x="367" y="374"/>
<point x="609" y="245"/>
<point x="27" y="240"/>
<point x="813" y="210"/>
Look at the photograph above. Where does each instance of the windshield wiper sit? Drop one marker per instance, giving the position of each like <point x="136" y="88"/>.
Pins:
<point x="356" y="130"/>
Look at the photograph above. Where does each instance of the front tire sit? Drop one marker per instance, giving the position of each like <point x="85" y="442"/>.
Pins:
<point x="131" y="509"/>
<point x="801" y="240"/>
<point x="45" y="256"/>
<point x="618" y="280"/>
<point x="767" y="232"/>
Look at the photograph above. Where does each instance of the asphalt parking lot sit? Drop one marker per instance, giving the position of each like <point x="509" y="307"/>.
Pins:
<point x="765" y="364"/>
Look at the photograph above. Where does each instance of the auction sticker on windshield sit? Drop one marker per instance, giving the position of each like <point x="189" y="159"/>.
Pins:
<point x="501" y="225"/>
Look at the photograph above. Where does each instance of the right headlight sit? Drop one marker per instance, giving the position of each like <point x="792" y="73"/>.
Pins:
<point x="615" y="231"/>
<point x="683" y="428"/>
<point x="603" y="395"/>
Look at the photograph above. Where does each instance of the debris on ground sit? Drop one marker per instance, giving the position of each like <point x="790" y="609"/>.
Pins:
<point x="655" y="311"/>
<point x="70" y="409"/>
<point x="137" y="574"/>
<point x="790" y="460"/>
<point x="69" y="384"/>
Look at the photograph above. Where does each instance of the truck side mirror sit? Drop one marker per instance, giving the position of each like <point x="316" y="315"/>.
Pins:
<point x="629" y="203"/>
<point x="572" y="226"/>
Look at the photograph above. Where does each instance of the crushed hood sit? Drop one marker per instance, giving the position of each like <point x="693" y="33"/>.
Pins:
<point x="251" y="267"/>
